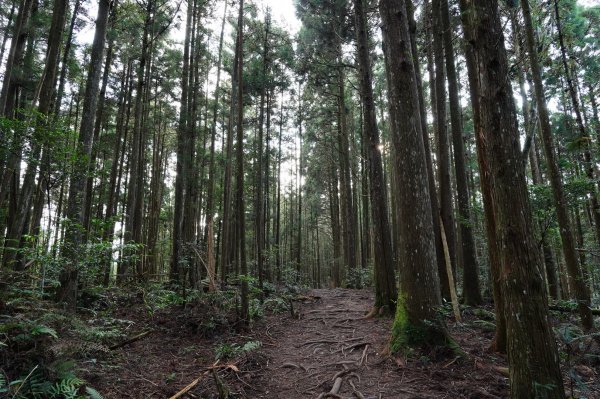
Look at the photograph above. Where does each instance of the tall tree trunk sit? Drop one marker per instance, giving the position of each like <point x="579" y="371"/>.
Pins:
<point x="89" y="191"/>
<point x="135" y="191"/>
<point x="525" y="301"/>
<point x="117" y="165"/>
<point x="299" y="184"/>
<point x="75" y="235"/>
<point x="347" y="209"/>
<point x="441" y="130"/>
<point x="227" y="245"/>
<point x="65" y="59"/>
<point x="582" y="293"/>
<point x="278" y="198"/>
<point x="8" y="28"/>
<point x="500" y="339"/>
<point x="241" y="224"/>
<point x="439" y="249"/>
<point x="209" y="238"/>
<point x="260" y="183"/>
<point x="471" y="290"/>
<point x="177" y="254"/>
<point x="385" y="282"/>
<point x="417" y="322"/>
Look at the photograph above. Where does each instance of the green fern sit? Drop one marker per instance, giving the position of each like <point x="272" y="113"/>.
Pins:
<point x="3" y="383"/>
<point x="66" y="388"/>
<point x="39" y="330"/>
<point x="92" y="393"/>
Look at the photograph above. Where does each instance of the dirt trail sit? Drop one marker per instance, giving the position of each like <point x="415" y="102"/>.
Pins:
<point x="331" y="342"/>
<point x="327" y="347"/>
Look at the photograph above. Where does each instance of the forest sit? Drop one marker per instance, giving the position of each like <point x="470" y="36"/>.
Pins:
<point x="299" y="199"/>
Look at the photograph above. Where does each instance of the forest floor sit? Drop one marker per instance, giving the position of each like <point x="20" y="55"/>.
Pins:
<point x="326" y="342"/>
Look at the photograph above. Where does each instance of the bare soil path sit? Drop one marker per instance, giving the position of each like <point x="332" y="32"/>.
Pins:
<point x="327" y="349"/>
<point x="332" y="351"/>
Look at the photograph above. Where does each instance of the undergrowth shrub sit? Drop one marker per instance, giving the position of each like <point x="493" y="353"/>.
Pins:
<point x="360" y="277"/>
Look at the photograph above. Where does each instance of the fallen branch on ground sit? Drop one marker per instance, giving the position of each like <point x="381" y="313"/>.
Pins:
<point x="205" y="372"/>
<point x="130" y="340"/>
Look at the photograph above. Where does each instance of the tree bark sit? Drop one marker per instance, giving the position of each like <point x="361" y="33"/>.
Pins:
<point x="385" y="282"/>
<point x="582" y="293"/>
<point x="417" y="322"/>
<point x="441" y="130"/>
<point x="471" y="290"/>
<point x="74" y="235"/>
<point x="499" y="341"/>
<point x="525" y="302"/>
<point x="241" y="211"/>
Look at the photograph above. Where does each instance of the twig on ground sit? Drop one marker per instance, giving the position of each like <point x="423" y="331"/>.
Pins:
<point x="130" y="340"/>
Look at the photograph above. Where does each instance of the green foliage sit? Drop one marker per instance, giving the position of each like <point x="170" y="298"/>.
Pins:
<point x="25" y="332"/>
<point x="276" y="304"/>
<point x="228" y="351"/>
<point x="38" y="385"/>
<point x="360" y="277"/>
<point x="574" y="350"/>
<point x="40" y="330"/>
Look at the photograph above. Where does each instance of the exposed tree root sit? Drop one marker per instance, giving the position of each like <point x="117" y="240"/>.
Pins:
<point x="364" y="356"/>
<point x="333" y="393"/>
<point x="373" y="312"/>
<point x="330" y="341"/>
<point x="354" y="346"/>
<point x="293" y="366"/>
<point x="355" y="391"/>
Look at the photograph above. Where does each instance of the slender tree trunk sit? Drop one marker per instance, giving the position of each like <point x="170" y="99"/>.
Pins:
<point x="471" y="290"/>
<point x="117" y="166"/>
<point x="65" y="58"/>
<point x="15" y="56"/>
<point x="209" y="238"/>
<point x="525" y="301"/>
<point x="278" y="198"/>
<point x="443" y="147"/>
<point x="299" y="183"/>
<point x="74" y="235"/>
<point x="439" y="249"/>
<point x="260" y="183"/>
<point x="89" y="191"/>
<point x="8" y="28"/>
<point x="568" y="244"/>
<point x="385" y="282"/>
<point x="135" y="191"/>
<point x="241" y="225"/>
<point x="348" y="229"/>
<point x="500" y="338"/>
<point x="177" y="253"/>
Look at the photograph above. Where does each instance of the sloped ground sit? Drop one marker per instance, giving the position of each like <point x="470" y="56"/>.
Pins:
<point x="327" y="349"/>
<point x="331" y="341"/>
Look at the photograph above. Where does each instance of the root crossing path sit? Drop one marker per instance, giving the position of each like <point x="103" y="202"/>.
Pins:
<point x="329" y="350"/>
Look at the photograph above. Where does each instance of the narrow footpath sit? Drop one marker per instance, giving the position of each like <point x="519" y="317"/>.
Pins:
<point x="330" y="350"/>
